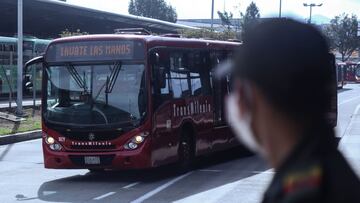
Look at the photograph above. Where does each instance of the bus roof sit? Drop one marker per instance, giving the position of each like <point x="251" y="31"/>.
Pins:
<point x="149" y="39"/>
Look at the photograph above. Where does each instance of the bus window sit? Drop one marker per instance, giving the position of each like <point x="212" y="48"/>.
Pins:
<point x="179" y="73"/>
<point x="190" y="74"/>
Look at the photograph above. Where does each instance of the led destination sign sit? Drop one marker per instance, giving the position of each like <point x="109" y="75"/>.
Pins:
<point x="95" y="51"/>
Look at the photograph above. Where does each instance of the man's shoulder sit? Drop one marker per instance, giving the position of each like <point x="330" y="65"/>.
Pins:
<point x="340" y="180"/>
<point x="303" y="181"/>
<point x="319" y="179"/>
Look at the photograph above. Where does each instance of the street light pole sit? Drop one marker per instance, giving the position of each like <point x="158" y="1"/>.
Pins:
<point x="212" y="15"/>
<point x="280" y="8"/>
<point x="19" y="109"/>
<point x="311" y="6"/>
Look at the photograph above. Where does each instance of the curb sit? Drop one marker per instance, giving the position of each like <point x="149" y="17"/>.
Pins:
<point x="20" y="137"/>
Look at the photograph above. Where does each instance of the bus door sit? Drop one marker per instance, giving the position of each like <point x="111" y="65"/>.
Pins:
<point x="222" y="133"/>
<point x="191" y="91"/>
<point x="164" y="139"/>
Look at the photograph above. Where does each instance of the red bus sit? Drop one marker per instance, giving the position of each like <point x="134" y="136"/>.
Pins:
<point x="352" y="72"/>
<point x="132" y="101"/>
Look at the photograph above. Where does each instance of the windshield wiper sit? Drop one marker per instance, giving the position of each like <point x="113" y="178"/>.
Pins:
<point x="114" y="74"/>
<point x="76" y="76"/>
<point x="113" y="77"/>
<point x="111" y="80"/>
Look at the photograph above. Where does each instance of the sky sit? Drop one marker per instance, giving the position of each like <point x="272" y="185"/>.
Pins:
<point x="198" y="9"/>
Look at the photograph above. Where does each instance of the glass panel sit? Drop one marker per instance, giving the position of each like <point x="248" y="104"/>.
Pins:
<point x="96" y="94"/>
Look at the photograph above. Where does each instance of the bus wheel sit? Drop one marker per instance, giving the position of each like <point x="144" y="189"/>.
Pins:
<point x="186" y="152"/>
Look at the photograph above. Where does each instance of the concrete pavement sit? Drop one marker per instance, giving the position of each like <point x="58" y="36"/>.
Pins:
<point x="350" y="143"/>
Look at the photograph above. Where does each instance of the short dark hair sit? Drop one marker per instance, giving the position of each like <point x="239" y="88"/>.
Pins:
<point x="290" y="63"/>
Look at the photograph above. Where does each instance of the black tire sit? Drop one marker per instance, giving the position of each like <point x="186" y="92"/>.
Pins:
<point x="186" y="151"/>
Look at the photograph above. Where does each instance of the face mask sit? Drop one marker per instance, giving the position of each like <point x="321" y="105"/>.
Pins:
<point x="240" y="123"/>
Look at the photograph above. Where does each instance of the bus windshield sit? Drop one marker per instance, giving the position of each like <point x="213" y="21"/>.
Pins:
<point x="105" y="94"/>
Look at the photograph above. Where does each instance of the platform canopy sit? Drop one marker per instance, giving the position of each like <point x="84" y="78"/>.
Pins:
<point x="47" y="19"/>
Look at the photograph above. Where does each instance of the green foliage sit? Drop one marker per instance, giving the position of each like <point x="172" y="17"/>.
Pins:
<point x="226" y="19"/>
<point x="204" y="33"/>
<point x="67" y="33"/>
<point x="32" y="122"/>
<point x="250" y="17"/>
<point x="157" y="9"/>
<point x="342" y="35"/>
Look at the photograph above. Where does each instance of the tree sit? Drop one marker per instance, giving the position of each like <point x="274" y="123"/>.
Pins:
<point x="157" y="9"/>
<point x="68" y="33"/>
<point x="342" y="35"/>
<point x="250" y="17"/>
<point x="132" y="9"/>
<point x="226" y="19"/>
<point x="204" y="33"/>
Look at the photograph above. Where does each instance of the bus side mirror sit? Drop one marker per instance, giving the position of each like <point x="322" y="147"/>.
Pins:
<point x="36" y="60"/>
<point x="27" y="83"/>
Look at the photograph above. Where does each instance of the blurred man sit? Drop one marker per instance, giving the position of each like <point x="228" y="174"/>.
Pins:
<point x="278" y="108"/>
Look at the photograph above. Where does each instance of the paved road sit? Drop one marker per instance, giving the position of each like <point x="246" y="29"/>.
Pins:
<point x="223" y="178"/>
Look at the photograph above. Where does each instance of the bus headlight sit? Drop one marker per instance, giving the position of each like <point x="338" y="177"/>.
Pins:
<point x="49" y="140"/>
<point x="55" y="147"/>
<point x="132" y="145"/>
<point x="139" y="139"/>
<point x="135" y="142"/>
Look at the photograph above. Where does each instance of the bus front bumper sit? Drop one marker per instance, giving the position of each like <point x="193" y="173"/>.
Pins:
<point x="135" y="159"/>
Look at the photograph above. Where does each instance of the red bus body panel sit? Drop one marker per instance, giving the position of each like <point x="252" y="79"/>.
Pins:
<point x="350" y="72"/>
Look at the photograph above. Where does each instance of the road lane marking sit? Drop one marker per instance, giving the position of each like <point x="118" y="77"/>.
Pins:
<point x="350" y="124"/>
<point x="104" y="196"/>
<point x="6" y="151"/>
<point x="349" y="100"/>
<point x="130" y="185"/>
<point x="159" y="189"/>
<point x="46" y="193"/>
<point x="210" y="170"/>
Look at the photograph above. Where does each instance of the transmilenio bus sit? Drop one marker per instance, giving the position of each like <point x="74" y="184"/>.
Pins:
<point x="133" y="101"/>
